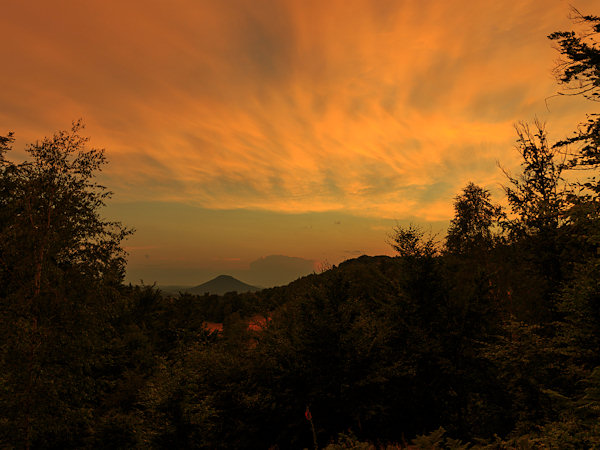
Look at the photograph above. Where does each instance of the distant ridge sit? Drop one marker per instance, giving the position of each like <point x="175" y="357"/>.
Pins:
<point x="221" y="285"/>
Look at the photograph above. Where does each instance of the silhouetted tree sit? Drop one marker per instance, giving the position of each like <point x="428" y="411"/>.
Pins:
<point x="579" y="72"/>
<point x="474" y="217"/>
<point x="61" y="267"/>
<point x="411" y="242"/>
<point x="537" y="195"/>
<point x="538" y="198"/>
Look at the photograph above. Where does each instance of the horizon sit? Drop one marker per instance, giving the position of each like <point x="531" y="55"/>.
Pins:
<point x="273" y="278"/>
<point x="240" y="131"/>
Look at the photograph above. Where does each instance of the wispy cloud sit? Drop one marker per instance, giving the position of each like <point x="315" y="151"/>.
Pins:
<point x="380" y="108"/>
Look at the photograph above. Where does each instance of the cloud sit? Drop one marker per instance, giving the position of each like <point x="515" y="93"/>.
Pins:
<point x="383" y="108"/>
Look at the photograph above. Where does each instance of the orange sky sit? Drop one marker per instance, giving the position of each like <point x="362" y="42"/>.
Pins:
<point x="241" y="129"/>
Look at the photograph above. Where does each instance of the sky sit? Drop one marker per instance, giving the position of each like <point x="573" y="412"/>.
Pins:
<point x="268" y="139"/>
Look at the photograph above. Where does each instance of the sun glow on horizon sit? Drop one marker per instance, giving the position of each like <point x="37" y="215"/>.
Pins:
<point x="376" y="111"/>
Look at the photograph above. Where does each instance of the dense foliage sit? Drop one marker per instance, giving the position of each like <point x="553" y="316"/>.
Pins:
<point x="490" y="339"/>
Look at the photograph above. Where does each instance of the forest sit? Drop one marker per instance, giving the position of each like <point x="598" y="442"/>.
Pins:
<point x="488" y="337"/>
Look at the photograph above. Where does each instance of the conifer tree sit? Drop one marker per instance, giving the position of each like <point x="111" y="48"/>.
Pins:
<point x="472" y="226"/>
<point x="579" y="73"/>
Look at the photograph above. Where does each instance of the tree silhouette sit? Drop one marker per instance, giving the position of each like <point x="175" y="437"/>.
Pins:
<point x="61" y="267"/>
<point x="474" y="217"/>
<point x="579" y="72"/>
<point x="538" y="195"/>
<point x="411" y="242"/>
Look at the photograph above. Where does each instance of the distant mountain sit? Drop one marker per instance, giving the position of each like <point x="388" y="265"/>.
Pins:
<point x="221" y="285"/>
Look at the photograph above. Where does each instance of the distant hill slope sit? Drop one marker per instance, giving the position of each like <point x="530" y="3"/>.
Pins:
<point x="221" y="285"/>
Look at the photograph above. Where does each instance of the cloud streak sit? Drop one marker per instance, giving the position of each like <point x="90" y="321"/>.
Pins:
<point x="380" y="108"/>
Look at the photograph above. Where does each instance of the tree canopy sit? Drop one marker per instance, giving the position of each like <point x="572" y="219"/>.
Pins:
<point x="490" y="341"/>
<point x="61" y="268"/>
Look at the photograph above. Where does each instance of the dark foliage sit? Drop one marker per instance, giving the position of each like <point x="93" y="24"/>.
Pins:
<point x="491" y="341"/>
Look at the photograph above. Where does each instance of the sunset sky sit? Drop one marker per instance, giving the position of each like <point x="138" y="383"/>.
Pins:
<point x="240" y="130"/>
